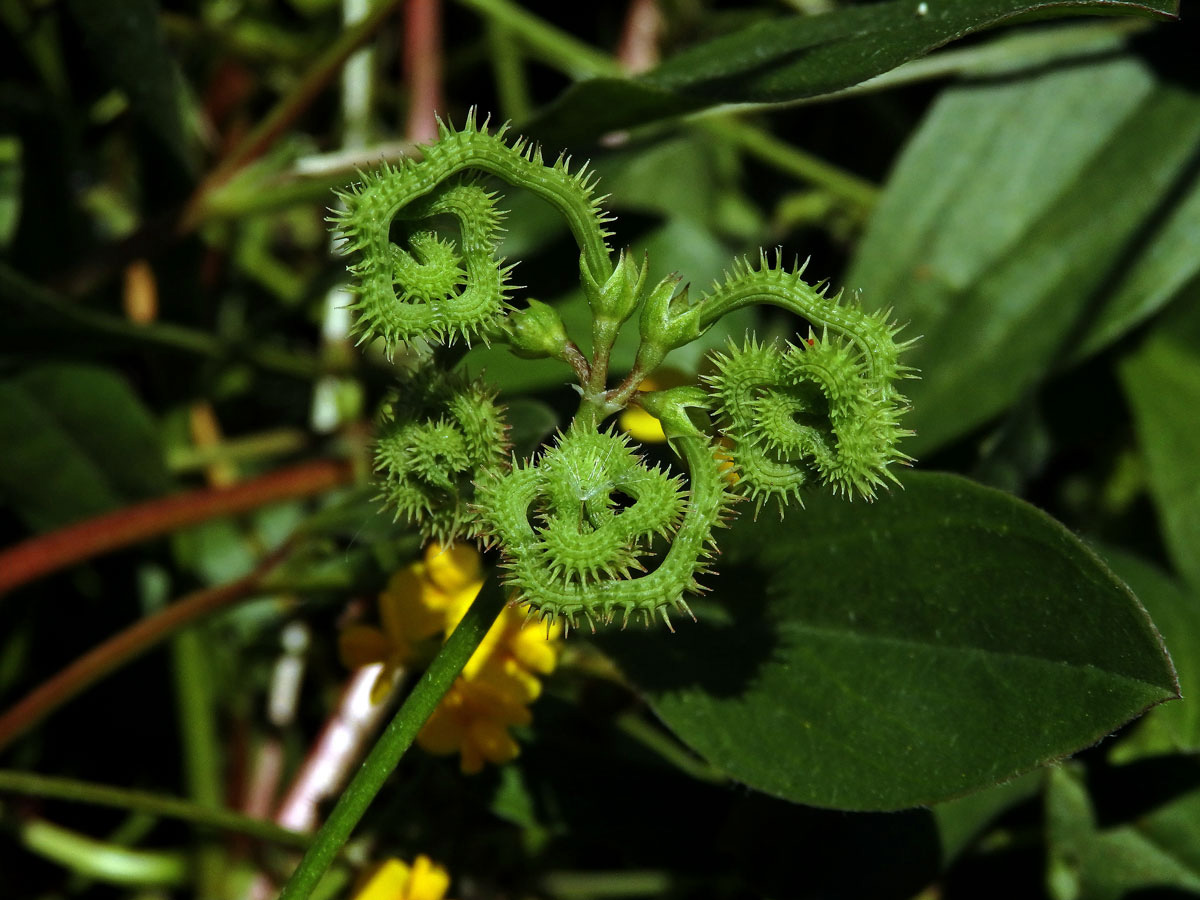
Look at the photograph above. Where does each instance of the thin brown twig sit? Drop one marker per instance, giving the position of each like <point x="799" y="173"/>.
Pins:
<point x="128" y="645"/>
<point x="73" y="544"/>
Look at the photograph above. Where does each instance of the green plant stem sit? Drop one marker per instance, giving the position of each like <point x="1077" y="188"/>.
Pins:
<point x="508" y="71"/>
<point x="37" y="304"/>
<point x="794" y="161"/>
<point x="262" y="445"/>
<point x="547" y="43"/>
<point x="201" y="756"/>
<point x="395" y="740"/>
<point x="217" y="818"/>
<point x="669" y="749"/>
<point x="103" y="861"/>
<point x="589" y="885"/>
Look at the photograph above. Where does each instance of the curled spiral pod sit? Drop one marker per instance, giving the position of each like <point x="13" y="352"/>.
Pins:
<point x="439" y="436"/>
<point x="441" y="288"/>
<point x="824" y="412"/>
<point x="803" y="416"/>
<point x="438" y="288"/>
<point x="574" y="527"/>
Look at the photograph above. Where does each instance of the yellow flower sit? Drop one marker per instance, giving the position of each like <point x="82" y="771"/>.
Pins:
<point x="639" y="423"/>
<point x="493" y="693"/>
<point x="500" y="679"/>
<point x="420" y="601"/>
<point x="394" y="880"/>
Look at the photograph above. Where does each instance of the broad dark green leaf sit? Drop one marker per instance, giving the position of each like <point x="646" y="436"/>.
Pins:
<point x="875" y="656"/>
<point x="1162" y="382"/>
<point x="988" y="239"/>
<point x="794" y="58"/>
<point x="126" y="44"/>
<point x="1172" y="727"/>
<point x="75" y="441"/>
<point x="1160" y="848"/>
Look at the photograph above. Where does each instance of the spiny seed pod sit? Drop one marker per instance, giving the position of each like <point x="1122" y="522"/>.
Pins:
<point x="440" y="435"/>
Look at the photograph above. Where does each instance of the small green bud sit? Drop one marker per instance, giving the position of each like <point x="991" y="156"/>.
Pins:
<point x="616" y="299"/>
<point x="537" y="332"/>
<point x="670" y="408"/>
<point x="668" y="321"/>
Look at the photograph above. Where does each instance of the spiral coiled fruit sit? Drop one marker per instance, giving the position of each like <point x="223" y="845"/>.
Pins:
<point x="575" y="525"/>
<point x="439" y="436"/>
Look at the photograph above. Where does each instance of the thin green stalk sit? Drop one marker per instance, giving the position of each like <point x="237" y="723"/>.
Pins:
<point x="669" y="749"/>
<point x="100" y="860"/>
<point x="37" y="304"/>
<point x="32" y="785"/>
<point x="394" y="741"/>
<point x="794" y="161"/>
<point x="201" y="757"/>
<point x="508" y="71"/>
<point x="591" y="885"/>
<point x="549" y="44"/>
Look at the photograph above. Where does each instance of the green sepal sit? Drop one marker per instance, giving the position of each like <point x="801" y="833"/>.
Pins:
<point x="537" y="332"/>
<point x="616" y="299"/>
<point x="668" y="321"/>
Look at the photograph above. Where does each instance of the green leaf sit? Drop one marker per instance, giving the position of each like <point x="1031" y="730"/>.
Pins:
<point x="1170" y="262"/>
<point x="126" y="44"/>
<point x="76" y="442"/>
<point x="1172" y="727"/>
<point x="10" y="188"/>
<point x="1159" y="849"/>
<point x="794" y="58"/>
<point x="1162" y="383"/>
<point x="876" y="656"/>
<point x="987" y="239"/>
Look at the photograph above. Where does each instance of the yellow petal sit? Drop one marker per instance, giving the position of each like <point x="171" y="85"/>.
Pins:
<point x="533" y="651"/>
<point x="411" y="607"/>
<point x="361" y="645"/>
<point x="642" y="426"/>
<point x="459" y="602"/>
<point x="452" y="568"/>
<point x="493" y="742"/>
<point x="387" y="883"/>
<point x="442" y="733"/>
<point x="428" y="881"/>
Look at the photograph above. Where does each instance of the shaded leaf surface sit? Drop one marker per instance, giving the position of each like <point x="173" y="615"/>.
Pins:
<point x="1172" y="727"/>
<point x="1162" y="382"/>
<point x="793" y="58"/>
<point x="943" y="639"/>
<point x="988" y="239"/>
<point x="127" y="45"/>
<point x="76" y="442"/>
<point x="1160" y="849"/>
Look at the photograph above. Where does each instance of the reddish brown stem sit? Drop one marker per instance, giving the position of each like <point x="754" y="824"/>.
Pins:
<point x="127" y="645"/>
<point x="423" y="67"/>
<point x="48" y="553"/>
